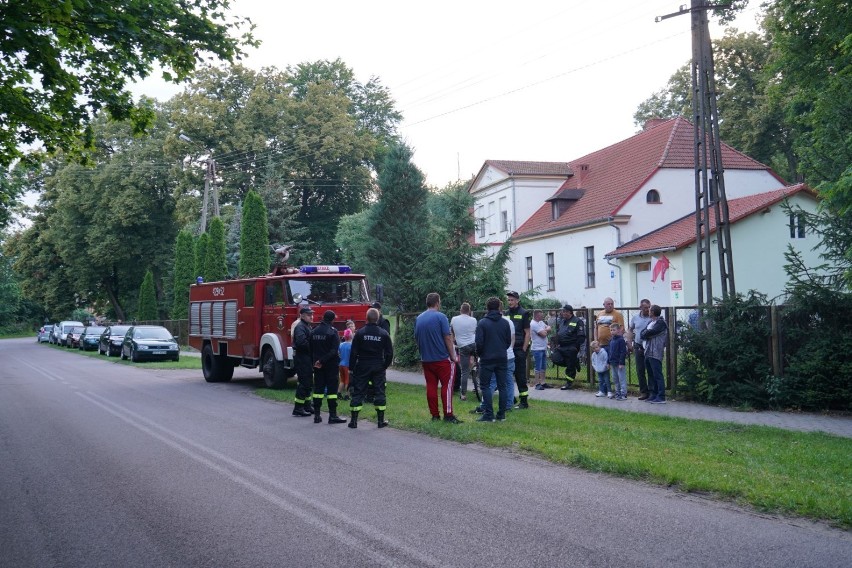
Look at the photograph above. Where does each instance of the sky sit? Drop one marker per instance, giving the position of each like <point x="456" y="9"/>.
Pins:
<point x="539" y="80"/>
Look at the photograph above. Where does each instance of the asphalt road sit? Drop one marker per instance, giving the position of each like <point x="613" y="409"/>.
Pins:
<point x="111" y="465"/>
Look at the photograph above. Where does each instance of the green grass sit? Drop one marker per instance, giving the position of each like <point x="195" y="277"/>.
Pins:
<point x="184" y="363"/>
<point x="770" y="469"/>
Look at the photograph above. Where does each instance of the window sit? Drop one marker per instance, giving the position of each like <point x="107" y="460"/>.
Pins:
<point x="480" y="220"/>
<point x="551" y="273"/>
<point x="797" y="226"/>
<point x="249" y="296"/>
<point x="491" y="226"/>
<point x="653" y="196"/>
<point x="554" y="210"/>
<point x="590" y="267"/>
<point x="504" y="216"/>
<point x="529" y="273"/>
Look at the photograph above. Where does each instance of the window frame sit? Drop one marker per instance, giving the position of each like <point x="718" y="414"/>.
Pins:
<point x="590" y="266"/>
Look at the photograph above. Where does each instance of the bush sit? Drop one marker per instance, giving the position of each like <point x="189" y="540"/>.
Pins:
<point x="405" y="352"/>
<point x="817" y="335"/>
<point x="727" y="362"/>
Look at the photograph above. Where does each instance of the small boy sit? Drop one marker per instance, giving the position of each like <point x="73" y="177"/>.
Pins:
<point x="344" y="350"/>
<point x="600" y="363"/>
<point x="617" y="359"/>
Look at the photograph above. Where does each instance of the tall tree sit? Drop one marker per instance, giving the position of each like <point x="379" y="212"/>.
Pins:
<point x="64" y="61"/>
<point x="254" y="239"/>
<point x="146" y="308"/>
<point x="183" y="274"/>
<point x="398" y="229"/>
<point x="282" y="213"/>
<point x="201" y="246"/>
<point x="813" y="67"/>
<point x="216" y="263"/>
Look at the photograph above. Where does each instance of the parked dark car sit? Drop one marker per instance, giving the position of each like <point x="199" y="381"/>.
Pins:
<point x="91" y="337"/>
<point x="149" y="342"/>
<point x="111" y="338"/>
<point x="44" y="333"/>
<point x="72" y="339"/>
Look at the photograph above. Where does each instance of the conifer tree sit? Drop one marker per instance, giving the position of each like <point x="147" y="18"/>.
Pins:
<point x="147" y="309"/>
<point x="183" y="274"/>
<point x="201" y="246"/>
<point x="216" y="262"/>
<point x="398" y="230"/>
<point x="254" y="237"/>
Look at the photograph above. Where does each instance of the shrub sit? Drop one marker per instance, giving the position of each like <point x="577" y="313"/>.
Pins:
<point x="727" y="361"/>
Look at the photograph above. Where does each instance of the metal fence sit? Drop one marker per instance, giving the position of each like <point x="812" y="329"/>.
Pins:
<point x="677" y="318"/>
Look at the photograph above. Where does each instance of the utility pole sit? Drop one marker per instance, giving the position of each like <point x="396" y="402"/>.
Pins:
<point x="707" y="152"/>
<point x="209" y="183"/>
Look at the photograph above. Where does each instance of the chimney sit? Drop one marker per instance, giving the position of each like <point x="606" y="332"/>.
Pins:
<point x="653" y="122"/>
<point x="582" y="172"/>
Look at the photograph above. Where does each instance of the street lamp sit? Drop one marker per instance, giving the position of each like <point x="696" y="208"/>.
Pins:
<point x="209" y="180"/>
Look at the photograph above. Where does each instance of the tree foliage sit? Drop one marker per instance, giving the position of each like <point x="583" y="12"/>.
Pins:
<point x="65" y="61"/>
<point x="202" y="243"/>
<point x="215" y="261"/>
<point x="146" y="308"/>
<point x="254" y="239"/>
<point x="398" y="229"/>
<point x="183" y="274"/>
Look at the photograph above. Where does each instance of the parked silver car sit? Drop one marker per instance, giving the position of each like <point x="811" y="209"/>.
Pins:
<point x="43" y="335"/>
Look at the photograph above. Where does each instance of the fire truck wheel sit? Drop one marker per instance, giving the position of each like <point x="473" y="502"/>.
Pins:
<point x="216" y="369"/>
<point x="273" y="371"/>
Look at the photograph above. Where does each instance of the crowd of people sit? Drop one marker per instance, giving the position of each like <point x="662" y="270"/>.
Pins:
<point x="499" y="342"/>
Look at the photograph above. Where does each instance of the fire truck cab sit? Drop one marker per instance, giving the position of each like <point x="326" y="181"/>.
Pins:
<point x="249" y="322"/>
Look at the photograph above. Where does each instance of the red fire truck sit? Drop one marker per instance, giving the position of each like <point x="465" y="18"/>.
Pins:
<point x="248" y="322"/>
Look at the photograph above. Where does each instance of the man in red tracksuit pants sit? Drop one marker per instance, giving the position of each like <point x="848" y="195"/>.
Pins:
<point x="438" y="355"/>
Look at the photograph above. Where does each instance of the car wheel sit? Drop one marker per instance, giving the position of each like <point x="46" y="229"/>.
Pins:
<point x="176" y="358"/>
<point x="123" y="358"/>
<point x="133" y="355"/>
<point x="273" y="371"/>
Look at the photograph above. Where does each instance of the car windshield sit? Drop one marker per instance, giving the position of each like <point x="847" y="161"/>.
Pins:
<point x="152" y="333"/>
<point x="94" y="330"/>
<point x="329" y="290"/>
<point x="119" y="330"/>
<point x="77" y="329"/>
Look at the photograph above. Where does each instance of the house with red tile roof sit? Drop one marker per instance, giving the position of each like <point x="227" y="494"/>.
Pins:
<point x="565" y="217"/>
<point x="761" y="230"/>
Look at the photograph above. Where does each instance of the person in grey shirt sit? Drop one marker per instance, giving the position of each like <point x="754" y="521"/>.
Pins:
<point x="637" y="324"/>
<point x="463" y="327"/>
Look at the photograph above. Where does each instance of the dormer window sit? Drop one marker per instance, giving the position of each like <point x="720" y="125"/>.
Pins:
<point x="653" y="196"/>
<point x="564" y="199"/>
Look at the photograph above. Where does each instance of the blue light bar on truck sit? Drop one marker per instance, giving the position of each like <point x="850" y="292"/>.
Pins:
<point x="316" y="269"/>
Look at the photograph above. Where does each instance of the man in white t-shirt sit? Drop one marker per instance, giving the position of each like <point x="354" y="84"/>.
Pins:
<point x="463" y="327"/>
<point x="538" y="331"/>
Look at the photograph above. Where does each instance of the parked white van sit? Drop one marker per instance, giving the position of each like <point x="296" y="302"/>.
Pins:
<point x="64" y="328"/>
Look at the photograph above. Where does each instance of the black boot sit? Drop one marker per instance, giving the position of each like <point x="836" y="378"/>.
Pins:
<point x="353" y="419"/>
<point x="380" y="419"/>
<point x="299" y="410"/>
<point x="524" y="403"/>
<point x="317" y="410"/>
<point x="333" y="418"/>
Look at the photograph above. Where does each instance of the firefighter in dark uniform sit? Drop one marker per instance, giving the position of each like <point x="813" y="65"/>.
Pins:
<point x="325" y="343"/>
<point x="521" y="320"/>
<point x="570" y="338"/>
<point x="372" y="354"/>
<point x="303" y="362"/>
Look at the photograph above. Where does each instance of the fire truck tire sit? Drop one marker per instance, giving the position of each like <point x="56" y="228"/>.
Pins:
<point x="216" y="369"/>
<point x="273" y="371"/>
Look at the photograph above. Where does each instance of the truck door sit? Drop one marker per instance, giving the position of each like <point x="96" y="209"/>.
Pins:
<point x="248" y="326"/>
<point x="274" y="317"/>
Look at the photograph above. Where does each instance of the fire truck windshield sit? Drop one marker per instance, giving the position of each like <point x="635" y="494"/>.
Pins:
<point x="328" y="290"/>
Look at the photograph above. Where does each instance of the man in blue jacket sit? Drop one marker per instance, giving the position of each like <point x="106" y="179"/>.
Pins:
<point x="494" y="336"/>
